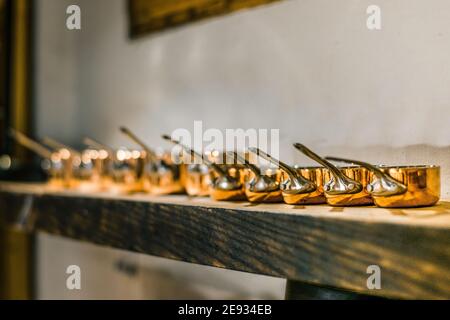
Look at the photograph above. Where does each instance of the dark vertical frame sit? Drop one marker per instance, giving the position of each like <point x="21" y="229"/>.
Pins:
<point x="17" y="88"/>
<point x="20" y="73"/>
<point x="16" y="246"/>
<point x="5" y="9"/>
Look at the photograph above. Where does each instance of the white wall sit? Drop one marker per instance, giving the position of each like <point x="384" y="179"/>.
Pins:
<point x="58" y="111"/>
<point x="114" y="274"/>
<point x="308" y="67"/>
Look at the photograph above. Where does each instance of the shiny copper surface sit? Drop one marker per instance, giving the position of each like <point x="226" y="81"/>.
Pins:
<point x="423" y="185"/>
<point x="313" y="174"/>
<point x="197" y="181"/>
<point x="355" y="173"/>
<point x="264" y="194"/>
<point x="224" y="185"/>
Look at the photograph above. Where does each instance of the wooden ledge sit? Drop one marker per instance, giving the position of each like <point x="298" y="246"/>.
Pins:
<point x="315" y="244"/>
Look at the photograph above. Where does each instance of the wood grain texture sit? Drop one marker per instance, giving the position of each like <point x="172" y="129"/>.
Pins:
<point x="148" y="16"/>
<point x="317" y="245"/>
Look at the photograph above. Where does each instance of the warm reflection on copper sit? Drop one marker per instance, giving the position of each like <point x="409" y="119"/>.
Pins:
<point x="162" y="176"/>
<point x="423" y="185"/>
<point x="237" y="173"/>
<point x="126" y="172"/>
<point x="313" y="174"/>
<point x="263" y="195"/>
<point x="356" y="173"/>
<point x="197" y="179"/>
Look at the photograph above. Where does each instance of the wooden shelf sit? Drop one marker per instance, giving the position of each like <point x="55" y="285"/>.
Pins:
<point x="319" y="245"/>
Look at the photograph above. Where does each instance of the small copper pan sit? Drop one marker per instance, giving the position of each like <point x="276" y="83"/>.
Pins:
<point x="298" y="186"/>
<point x="117" y="171"/>
<point x="126" y="171"/>
<point x="79" y="171"/>
<point x="198" y="176"/>
<point x="262" y="186"/>
<point x="160" y="175"/>
<point x="102" y="158"/>
<point x="342" y="186"/>
<point x="402" y="186"/>
<point x="51" y="161"/>
<point x="224" y="186"/>
<point x="197" y="180"/>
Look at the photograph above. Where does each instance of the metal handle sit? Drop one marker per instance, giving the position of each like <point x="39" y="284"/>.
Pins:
<point x="58" y="145"/>
<point x="298" y="183"/>
<point x="244" y="161"/>
<point x="309" y="153"/>
<point x="385" y="186"/>
<point x="342" y="183"/>
<point x="95" y="144"/>
<point x="30" y="144"/>
<point x="138" y="141"/>
<point x="290" y="171"/>
<point x="194" y="153"/>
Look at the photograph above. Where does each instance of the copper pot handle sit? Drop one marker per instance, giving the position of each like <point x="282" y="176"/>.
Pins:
<point x="58" y="145"/>
<point x="194" y="153"/>
<point x="272" y="160"/>
<point x="30" y="144"/>
<point x="342" y="183"/>
<point x="132" y="136"/>
<point x="384" y="186"/>
<point x="293" y="176"/>
<point x="97" y="145"/>
<point x="245" y="162"/>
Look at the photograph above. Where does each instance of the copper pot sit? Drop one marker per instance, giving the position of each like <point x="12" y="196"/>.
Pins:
<point x="160" y="174"/>
<point x="342" y="186"/>
<point x="402" y="186"/>
<point x="102" y="158"/>
<point x="297" y="185"/>
<point x="198" y="180"/>
<point x="79" y="170"/>
<point x="226" y="183"/>
<point x="126" y="171"/>
<point x="316" y="176"/>
<point x="117" y="171"/>
<point x="51" y="161"/>
<point x="199" y="177"/>
<point x="262" y="185"/>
